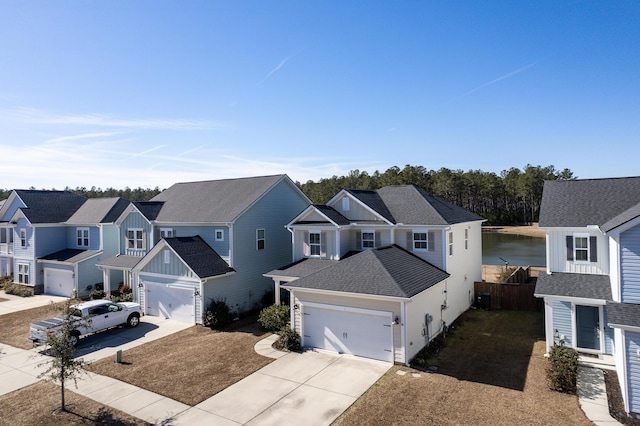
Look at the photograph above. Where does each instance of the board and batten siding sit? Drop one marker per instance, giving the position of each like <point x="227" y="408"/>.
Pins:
<point x="557" y="260"/>
<point x="632" y="343"/>
<point x="175" y="267"/>
<point x="357" y="212"/>
<point x="135" y="220"/>
<point x="562" y="321"/>
<point x="244" y="289"/>
<point x="630" y="265"/>
<point x="353" y="302"/>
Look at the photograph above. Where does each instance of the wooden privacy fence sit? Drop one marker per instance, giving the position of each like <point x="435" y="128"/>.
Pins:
<point x="515" y="297"/>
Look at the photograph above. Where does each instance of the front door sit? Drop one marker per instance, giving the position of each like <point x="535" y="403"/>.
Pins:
<point x="588" y="327"/>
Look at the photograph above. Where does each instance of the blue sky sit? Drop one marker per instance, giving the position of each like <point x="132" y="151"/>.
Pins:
<point x="149" y="93"/>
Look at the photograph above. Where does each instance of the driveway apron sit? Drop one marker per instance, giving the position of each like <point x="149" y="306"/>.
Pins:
<point x="314" y="386"/>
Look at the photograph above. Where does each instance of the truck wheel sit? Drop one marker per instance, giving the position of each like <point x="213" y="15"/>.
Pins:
<point x="133" y="320"/>
<point x="73" y="339"/>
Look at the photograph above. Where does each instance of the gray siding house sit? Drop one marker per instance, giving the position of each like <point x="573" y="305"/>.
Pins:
<point x="591" y="286"/>
<point x="380" y="273"/>
<point x="165" y="242"/>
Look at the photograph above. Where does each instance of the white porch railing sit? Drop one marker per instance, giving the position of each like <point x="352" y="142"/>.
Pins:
<point x="6" y="248"/>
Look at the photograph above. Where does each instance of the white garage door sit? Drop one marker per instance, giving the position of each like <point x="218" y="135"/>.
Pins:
<point x="348" y="330"/>
<point x="171" y="301"/>
<point x="58" y="283"/>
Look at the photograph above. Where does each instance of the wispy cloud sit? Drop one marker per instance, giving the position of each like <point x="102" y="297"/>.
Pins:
<point x="496" y="80"/>
<point x="83" y="136"/>
<point x="36" y="116"/>
<point x="279" y="66"/>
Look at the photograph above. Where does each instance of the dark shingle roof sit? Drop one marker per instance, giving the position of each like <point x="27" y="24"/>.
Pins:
<point x="585" y="286"/>
<point x="302" y="268"/>
<point x="579" y="203"/>
<point x="199" y="256"/>
<point x="623" y="314"/>
<point x="70" y="255"/>
<point x="373" y="200"/>
<point x="385" y="271"/>
<point x="414" y="206"/>
<point x="98" y="210"/>
<point x="49" y="206"/>
<point x="332" y="214"/>
<point x="214" y="201"/>
<point x="149" y="209"/>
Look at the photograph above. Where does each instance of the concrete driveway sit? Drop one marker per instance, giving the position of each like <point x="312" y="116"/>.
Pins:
<point x="17" y="303"/>
<point x="313" y="388"/>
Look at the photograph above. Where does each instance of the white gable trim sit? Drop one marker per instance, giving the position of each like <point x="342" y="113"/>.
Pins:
<point x="130" y="209"/>
<point x="354" y="199"/>
<point x="292" y="287"/>
<point x="305" y="212"/>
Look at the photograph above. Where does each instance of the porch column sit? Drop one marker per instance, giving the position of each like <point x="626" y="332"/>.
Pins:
<point x="277" y="293"/>
<point x="106" y="282"/>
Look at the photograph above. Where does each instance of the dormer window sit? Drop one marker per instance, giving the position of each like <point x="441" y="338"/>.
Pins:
<point x="82" y="237"/>
<point x="345" y="204"/>
<point x="166" y="233"/>
<point x="314" y="243"/>
<point x="23" y="237"/>
<point x="582" y="248"/>
<point x="368" y="239"/>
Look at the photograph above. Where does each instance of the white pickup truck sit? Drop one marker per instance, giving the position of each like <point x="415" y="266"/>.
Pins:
<point x="100" y="315"/>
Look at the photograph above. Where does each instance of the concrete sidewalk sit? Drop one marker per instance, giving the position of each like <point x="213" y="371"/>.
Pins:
<point x="17" y="303"/>
<point x="592" y="395"/>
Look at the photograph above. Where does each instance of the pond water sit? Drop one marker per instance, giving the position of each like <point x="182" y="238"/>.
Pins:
<point x="518" y="250"/>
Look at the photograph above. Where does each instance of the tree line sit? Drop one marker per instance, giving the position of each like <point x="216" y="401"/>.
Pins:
<point x="511" y="197"/>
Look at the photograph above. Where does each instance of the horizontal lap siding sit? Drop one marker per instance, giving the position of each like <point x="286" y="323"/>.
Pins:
<point x="630" y="265"/>
<point x="208" y="234"/>
<point x="633" y="370"/>
<point x="562" y="321"/>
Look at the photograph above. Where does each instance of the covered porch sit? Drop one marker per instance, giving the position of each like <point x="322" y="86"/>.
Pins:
<point x="116" y="272"/>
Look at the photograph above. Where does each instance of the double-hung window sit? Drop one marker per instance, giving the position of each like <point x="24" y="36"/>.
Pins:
<point x="314" y="243"/>
<point x="582" y="248"/>
<point x="134" y="239"/>
<point x="260" y="239"/>
<point x="23" y="273"/>
<point x="166" y="233"/>
<point x="23" y="237"/>
<point x="466" y="239"/>
<point x="450" y="243"/>
<point x="219" y="234"/>
<point x="368" y="239"/>
<point x="82" y="237"/>
<point x="420" y="241"/>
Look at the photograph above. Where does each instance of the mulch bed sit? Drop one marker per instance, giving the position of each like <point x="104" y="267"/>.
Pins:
<point x="614" y="397"/>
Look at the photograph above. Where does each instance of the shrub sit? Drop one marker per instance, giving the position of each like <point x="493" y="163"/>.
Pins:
<point x="97" y="294"/>
<point x="562" y="368"/>
<point x="289" y="339"/>
<point x="5" y="281"/>
<point x="217" y="315"/>
<point x="274" y="317"/>
<point x="122" y="297"/>
<point x="18" y="290"/>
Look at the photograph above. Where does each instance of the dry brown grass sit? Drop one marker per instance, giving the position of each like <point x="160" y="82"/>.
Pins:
<point x="490" y="371"/>
<point x="15" y="326"/>
<point x="2" y="299"/>
<point x="39" y="404"/>
<point x="192" y="365"/>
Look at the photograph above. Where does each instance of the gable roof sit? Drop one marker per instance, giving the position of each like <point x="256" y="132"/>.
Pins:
<point x="580" y="203"/>
<point x="584" y="286"/>
<point x="414" y="206"/>
<point x="215" y="201"/>
<point x="49" y="206"/>
<point x="204" y="261"/>
<point x="149" y="209"/>
<point x="98" y="210"/>
<point x="386" y="271"/>
<point x="623" y="314"/>
<point x="373" y="200"/>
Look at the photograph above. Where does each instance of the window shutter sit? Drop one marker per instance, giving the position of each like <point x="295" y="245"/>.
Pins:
<point x="569" y="247"/>
<point x="409" y="240"/>
<point x="593" y="249"/>
<point x="323" y="244"/>
<point x="359" y="239"/>
<point x="377" y="240"/>
<point x="431" y="241"/>
<point x="144" y="240"/>
<point x="305" y="243"/>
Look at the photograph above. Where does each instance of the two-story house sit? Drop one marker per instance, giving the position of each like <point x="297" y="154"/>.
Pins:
<point x="380" y="273"/>
<point x="591" y="287"/>
<point x="201" y="241"/>
<point x="51" y="240"/>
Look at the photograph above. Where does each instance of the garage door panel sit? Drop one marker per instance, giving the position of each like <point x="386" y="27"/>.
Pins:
<point x="171" y="302"/>
<point x="350" y="332"/>
<point x="58" y="282"/>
